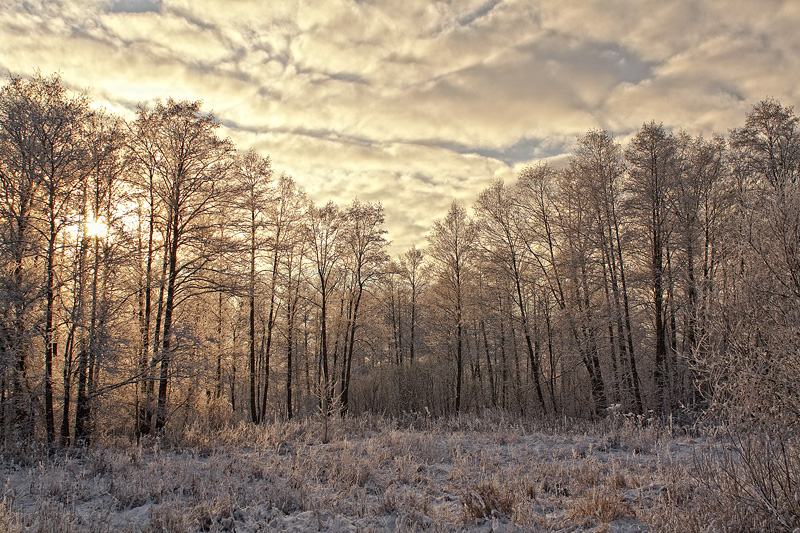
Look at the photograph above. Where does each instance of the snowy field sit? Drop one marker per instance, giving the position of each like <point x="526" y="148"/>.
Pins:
<point x="469" y="473"/>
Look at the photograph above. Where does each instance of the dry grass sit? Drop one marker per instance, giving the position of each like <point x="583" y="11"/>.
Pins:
<point x="373" y="474"/>
<point x="599" y="505"/>
<point x="487" y="500"/>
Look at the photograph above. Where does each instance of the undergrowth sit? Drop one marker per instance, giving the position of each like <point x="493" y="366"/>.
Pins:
<point x="406" y="473"/>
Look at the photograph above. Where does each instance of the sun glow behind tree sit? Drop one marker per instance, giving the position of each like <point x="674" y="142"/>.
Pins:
<point x="97" y="228"/>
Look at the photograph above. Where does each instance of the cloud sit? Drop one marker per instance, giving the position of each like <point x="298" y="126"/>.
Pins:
<point x="416" y="103"/>
<point x="135" y="6"/>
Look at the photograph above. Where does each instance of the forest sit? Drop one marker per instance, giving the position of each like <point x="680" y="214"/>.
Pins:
<point x="153" y="276"/>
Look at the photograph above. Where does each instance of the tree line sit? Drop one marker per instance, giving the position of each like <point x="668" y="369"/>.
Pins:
<point x="151" y="273"/>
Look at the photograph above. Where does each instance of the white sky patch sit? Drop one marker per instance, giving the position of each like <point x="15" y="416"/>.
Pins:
<point x="419" y="102"/>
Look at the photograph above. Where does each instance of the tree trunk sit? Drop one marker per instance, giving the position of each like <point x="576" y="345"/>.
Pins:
<point x="532" y="355"/>
<point x="252" y="359"/>
<point x="489" y="369"/>
<point x="49" y="328"/>
<point x="85" y="381"/>
<point x="635" y="383"/>
<point x="270" y="327"/>
<point x="347" y="366"/>
<point x="289" y="347"/>
<point x="67" y="374"/>
<point x="459" y="364"/>
<point x="659" y="372"/>
<point x="166" y="355"/>
<point x="143" y="419"/>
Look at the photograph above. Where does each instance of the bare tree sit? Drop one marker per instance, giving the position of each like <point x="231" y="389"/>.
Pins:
<point x="21" y="198"/>
<point x="144" y="161"/>
<point x="696" y="205"/>
<point x="192" y="163"/>
<point x="367" y="254"/>
<point x="326" y="235"/>
<point x="506" y="249"/>
<point x="254" y="174"/>
<point x="293" y="261"/>
<point x="44" y="130"/>
<point x="413" y="270"/>
<point x="759" y="319"/>
<point x="651" y="159"/>
<point x="452" y="250"/>
<point x="598" y="164"/>
<point x="104" y="194"/>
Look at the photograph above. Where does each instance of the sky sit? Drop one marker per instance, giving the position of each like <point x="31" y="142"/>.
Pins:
<point x="416" y="103"/>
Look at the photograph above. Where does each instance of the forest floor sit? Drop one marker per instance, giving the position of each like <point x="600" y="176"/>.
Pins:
<point x="469" y="473"/>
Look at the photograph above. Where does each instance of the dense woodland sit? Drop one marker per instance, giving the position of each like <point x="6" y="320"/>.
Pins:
<point x="151" y="274"/>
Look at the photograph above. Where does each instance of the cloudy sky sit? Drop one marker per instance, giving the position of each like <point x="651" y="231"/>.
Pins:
<point x="415" y="103"/>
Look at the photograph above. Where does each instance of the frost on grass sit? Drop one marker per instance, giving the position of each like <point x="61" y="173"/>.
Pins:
<point x="375" y="474"/>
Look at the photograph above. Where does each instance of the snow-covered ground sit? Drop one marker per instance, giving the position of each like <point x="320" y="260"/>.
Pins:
<point x="469" y="473"/>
